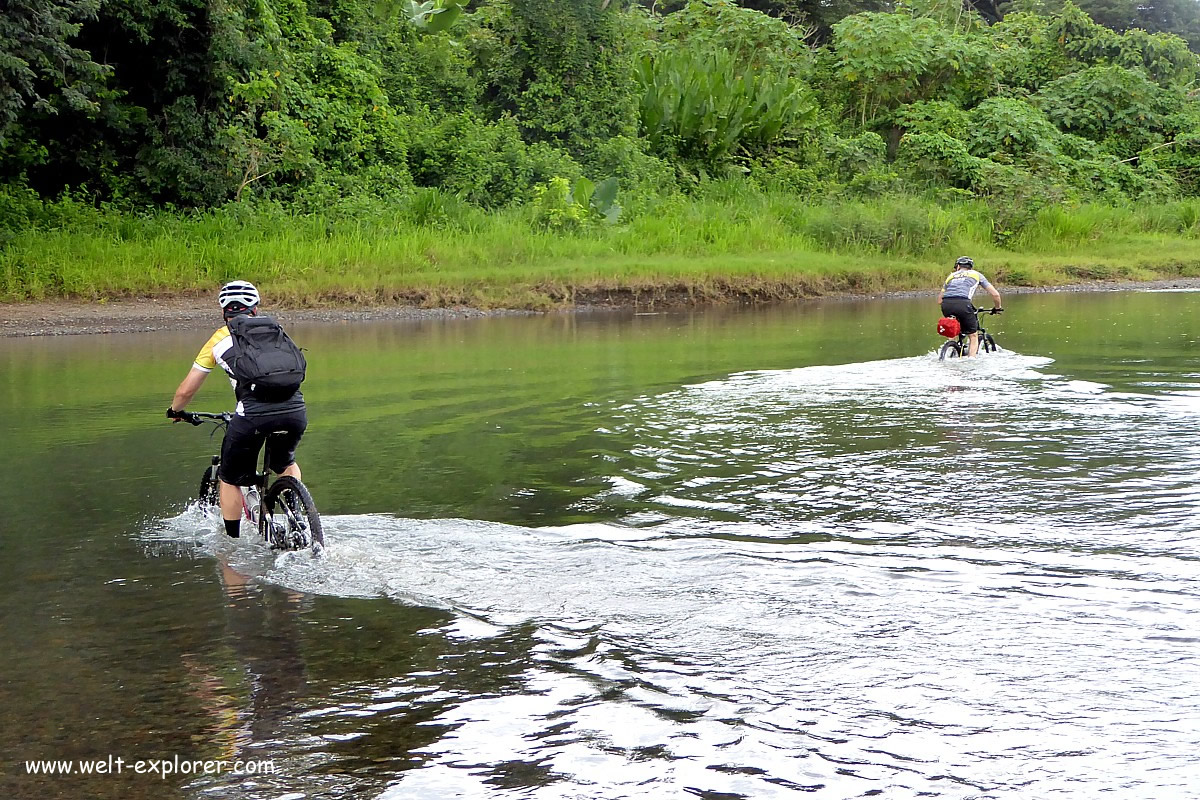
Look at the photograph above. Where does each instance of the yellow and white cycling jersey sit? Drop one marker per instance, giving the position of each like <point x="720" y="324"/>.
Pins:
<point x="214" y="352"/>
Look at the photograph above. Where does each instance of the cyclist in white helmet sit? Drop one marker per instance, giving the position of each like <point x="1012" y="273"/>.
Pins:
<point x="253" y="419"/>
<point x="955" y="299"/>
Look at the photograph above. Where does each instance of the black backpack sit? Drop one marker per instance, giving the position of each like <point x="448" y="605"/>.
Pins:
<point x="266" y="363"/>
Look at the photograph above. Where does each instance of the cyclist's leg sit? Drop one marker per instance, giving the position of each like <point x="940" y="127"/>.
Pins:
<point x="239" y="456"/>
<point x="288" y="500"/>
<point x="231" y="507"/>
<point x="964" y="312"/>
<point x="287" y="430"/>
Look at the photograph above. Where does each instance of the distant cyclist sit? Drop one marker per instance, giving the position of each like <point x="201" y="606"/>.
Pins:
<point x="261" y="409"/>
<point x="955" y="299"/>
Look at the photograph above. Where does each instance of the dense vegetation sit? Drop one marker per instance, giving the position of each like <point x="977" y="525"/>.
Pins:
<point x="436" y="150"/>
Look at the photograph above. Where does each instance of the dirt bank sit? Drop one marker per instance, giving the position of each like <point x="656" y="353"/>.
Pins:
<point x="64" y="317"/>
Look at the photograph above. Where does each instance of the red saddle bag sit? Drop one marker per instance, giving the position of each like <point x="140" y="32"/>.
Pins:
<point x="949" y="327"/>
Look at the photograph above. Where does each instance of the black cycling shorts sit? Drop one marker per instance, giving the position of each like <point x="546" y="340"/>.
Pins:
<point x="961" y="309"/>
<point x="245" y="436"/>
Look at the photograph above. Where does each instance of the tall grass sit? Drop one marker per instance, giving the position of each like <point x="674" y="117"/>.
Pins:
<point x="727" y="240"/>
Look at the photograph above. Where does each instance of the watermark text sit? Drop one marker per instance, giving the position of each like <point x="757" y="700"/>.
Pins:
<point x="161" y="767"/>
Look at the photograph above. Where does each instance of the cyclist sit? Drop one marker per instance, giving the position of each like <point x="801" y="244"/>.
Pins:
<point x="955" y="299"/>
<point x="253" y="419"/>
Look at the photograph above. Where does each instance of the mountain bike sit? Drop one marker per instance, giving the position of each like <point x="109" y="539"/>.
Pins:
<point x="956" y="348"/>
<point x="283" y="511"/>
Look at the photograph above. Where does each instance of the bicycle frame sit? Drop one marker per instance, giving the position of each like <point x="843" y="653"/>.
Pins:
<point x="254" y="511"/>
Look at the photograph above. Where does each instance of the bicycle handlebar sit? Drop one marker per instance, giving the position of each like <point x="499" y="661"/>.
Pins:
<point x="989" y="311"/>
<point x="198" y="417"/>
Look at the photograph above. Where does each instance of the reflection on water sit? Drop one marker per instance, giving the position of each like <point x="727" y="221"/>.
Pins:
<point x="608" y="561"/>
<point x="262" y="634"/>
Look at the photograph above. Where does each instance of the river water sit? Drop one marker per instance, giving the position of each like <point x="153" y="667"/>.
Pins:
<point x="759" y="553"/>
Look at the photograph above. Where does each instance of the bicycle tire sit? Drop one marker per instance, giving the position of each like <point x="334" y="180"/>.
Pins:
<point x="302" y="527"/>
<point x="949" y="350"/>
<point x="208" y="494"/>
<point x="989" y="344"/>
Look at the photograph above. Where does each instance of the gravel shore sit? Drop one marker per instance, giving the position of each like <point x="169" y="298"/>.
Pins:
<point x="64" y="318"/>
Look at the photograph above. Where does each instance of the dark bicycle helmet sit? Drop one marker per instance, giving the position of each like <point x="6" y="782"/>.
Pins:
<point x="964" y="263"/>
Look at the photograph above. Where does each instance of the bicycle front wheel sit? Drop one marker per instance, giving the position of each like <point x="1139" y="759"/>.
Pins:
<point x="949" y="350"/>
<point x="292" y="521"/>
<point x="208" y="494"/>
<point x="989" y="344"/>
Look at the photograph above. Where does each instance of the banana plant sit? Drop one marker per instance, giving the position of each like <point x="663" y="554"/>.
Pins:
<point x="433" y="16"/>
<point x="601" y="197"/>
<point x="709" y="106"/>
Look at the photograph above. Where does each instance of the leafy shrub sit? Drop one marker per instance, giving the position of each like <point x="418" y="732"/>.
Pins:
<point x="559" y="206"/>
<point x="625" y="159"/>
<point x="938" y="158"/>
<point x="1182" y="160"/>
<point x="934" y="116"/>
<point x="1005" y="125"/>
<point x="783" y="173"/>
<point x="1027" y="55"/>
<point x="1109" y="103"/>
<point x="757" y="40"/>
<point x="485" y="163"/>
<point x="850" y="156"/>
<point x="20" y="207"/>
<point x="1014" y="196"/>
<point x="436" y="208"/>
<point x="432" y="71"/>
<point x="1165" y="57"/>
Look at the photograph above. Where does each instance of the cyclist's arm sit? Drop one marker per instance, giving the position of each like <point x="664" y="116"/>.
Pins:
<point x="995" y="295"/>
<point x="188" y="388"/>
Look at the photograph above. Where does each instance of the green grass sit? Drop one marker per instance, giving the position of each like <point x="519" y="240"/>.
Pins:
<point x="721" y="245"/>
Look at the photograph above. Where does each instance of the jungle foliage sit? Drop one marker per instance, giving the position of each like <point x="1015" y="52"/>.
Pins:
<point x="193" y="105"/>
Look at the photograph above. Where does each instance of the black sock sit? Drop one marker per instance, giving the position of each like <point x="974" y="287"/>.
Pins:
<point x="233" y="527"/>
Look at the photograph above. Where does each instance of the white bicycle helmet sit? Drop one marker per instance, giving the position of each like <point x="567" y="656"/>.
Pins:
<point x="242" y="293"/>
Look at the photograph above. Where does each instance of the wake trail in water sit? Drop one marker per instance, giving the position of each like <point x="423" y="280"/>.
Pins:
<point x="910" y="576"/>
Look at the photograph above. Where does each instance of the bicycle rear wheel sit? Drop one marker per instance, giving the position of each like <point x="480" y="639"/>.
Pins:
<point x="949" y="350"/>
<point x="292" y="519"/>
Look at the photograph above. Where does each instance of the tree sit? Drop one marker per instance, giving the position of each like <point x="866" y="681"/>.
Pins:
<point x="563" y="68"/>
<point x="889" y="60"/>
<point x="39" y="67"/>
<point x="1119" y="107"/>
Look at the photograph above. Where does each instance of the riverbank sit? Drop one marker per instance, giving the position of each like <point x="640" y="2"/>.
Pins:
<point x="748" y="247"/>
<point x="73" y="317"/>
<point x="102" y="270"/>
